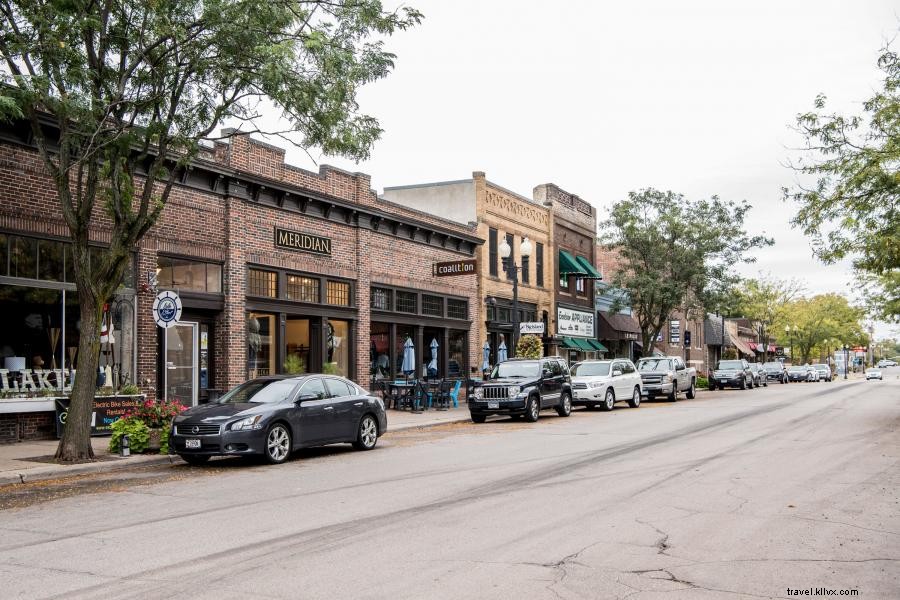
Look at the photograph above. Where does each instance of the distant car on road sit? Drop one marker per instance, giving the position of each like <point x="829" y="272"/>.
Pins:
<point x="273" y="416"/>
<point x="873" y="373"/>
<point x="731" y="373"/>
<point x="824" y="372"/>
<point x="884" y="363"/>
<point x="775" y="371"/>
<point x="602" y="383"/>
<point x="759" y="375"/>
<point x="799" y="373"/>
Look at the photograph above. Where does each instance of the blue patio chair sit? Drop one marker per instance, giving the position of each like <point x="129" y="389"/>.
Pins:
<point x="454" y="393"/>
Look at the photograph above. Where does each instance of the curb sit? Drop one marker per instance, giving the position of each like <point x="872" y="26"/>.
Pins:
<point x="120" y="464"/>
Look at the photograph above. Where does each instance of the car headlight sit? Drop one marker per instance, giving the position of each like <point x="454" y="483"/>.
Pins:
<point x="478" y="393"/>
<point x="595" y="384"/>
<point x="669" y="376"/>
<point x="247" y="424"/>
<point x="513" y="391"/>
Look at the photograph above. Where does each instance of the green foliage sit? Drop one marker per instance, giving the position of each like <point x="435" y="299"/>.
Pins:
<point x="293" y="364"/>
<point x="137" y="431"/>
<point x="129" y="390"/>
<point x="156" y="414"/>
<point x="330" y="368"/>
<point x="676" y="253"/>
<point x="851" y="210"/>
<point x="702" y="383"/>
<point x="824" y="322"/>
<point x="764" y="302"/>
<point x="881" y="295"/>
<point x="529" y="346"/>
<point x="729" y="354"/>
<point x="164" y="439"/>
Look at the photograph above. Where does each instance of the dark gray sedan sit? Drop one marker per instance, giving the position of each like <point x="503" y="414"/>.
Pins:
<point x="273" y="416"/>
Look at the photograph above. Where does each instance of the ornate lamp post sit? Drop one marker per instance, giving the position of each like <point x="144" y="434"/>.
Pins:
<point x="513" y="269"/>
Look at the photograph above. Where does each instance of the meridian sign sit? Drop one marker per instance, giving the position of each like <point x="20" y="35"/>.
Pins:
<point x="304" y="242"/>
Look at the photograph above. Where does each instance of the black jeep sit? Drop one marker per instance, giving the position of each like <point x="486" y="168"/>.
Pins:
<point x="522" y="387"/>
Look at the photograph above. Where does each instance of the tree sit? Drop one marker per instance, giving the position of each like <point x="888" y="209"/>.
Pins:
<point x="131" y="89"/>
<point x="763" y="301"/>
<point x="676" y="253"/>
<point x="881" y="295"/>
<point x="822" y="317"/>
<point x="851" y="210"/>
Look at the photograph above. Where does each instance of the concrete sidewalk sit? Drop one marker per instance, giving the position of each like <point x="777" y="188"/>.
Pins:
<point x="17" y="464"/>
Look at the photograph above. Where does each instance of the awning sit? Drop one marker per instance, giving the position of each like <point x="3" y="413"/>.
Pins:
<point x="742" y="346"/>
<point x="581" y="344"/>
<point x="567" y="342"/>
<point x="618" y="327"/>
<point x="592" y="273"/>
<point x="569" y="265"/>
<point x="598" y="346"/>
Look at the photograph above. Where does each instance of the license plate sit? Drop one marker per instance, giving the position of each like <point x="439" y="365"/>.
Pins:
<point x="191" y="443"/>
<point x="723" y="381"/>
<point x="493" y="405"/>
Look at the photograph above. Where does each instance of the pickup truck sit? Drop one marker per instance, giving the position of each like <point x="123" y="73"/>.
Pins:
<point x="667" y="376"/>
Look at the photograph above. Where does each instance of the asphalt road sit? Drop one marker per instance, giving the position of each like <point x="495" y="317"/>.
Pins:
<point x="738" y="494"/>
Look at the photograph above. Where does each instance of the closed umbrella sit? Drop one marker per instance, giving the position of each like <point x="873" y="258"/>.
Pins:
<point x="486" y="364"/>
<point x="502" y="354"/>
<point x="433" y="365"/>
<point x="409" y="358"/>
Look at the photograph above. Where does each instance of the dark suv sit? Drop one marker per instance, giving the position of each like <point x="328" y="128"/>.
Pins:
<point x="522" y="387"/>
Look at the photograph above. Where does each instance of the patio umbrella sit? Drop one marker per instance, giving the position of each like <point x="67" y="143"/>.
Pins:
<point x="486" y="364"/>
<point x="502" y="354"/>
<point x="433" y="366"/>
<point x="409" y="357"/>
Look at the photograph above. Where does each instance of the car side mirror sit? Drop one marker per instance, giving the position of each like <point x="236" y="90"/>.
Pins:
<point x="616" y="373"/>
<point x="306" y="398"/>
<point x="546" y="372"/>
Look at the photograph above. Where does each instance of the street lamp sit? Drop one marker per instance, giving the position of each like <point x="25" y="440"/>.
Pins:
<point x="846" y="359"/>
<point x="513" y="269"/>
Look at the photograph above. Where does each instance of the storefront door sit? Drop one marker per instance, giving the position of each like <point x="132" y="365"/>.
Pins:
<point x="181" y="370"/>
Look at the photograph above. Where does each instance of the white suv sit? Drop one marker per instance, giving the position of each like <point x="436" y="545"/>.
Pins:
<point x="604" y="382"/>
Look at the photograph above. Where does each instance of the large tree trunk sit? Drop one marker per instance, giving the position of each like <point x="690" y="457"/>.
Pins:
<point x="75" y="444"/>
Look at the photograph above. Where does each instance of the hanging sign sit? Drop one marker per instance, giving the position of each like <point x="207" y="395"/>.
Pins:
<point x="531" y="328"/>
<point x="167" y="309"/>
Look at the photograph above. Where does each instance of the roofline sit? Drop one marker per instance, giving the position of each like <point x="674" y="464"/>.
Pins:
<point x="414" y="186"/>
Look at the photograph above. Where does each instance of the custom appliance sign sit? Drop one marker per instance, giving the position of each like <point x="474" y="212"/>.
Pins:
<point x="531" y="328"/>
<point x="456" y="267"/>
<point x="106" y="410"/>
<point x="304" y="242"/>
<point x="574" y="322"/>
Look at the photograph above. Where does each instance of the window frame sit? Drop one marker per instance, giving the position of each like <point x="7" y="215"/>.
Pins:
<point x="493" y="252"/>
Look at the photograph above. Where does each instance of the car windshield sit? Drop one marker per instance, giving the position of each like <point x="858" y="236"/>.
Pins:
<point x="654" y="364"/>
<point x="772" y="365"/>
<point x="821" y="367"/>
<point x="517" y="369"/>
<point x="797" y="369"/>
<point x="730" y="364"/>
<point x="589" y="369"/>
<point x="261" y="391"/>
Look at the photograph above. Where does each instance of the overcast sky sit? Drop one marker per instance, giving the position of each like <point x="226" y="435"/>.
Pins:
<point x="606" y="97"/>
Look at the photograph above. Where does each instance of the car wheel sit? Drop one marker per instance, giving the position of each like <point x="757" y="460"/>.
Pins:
<point x="565" y="405"/>
<point x="609" y="401"/>
<point x="743" y="384"/>
<point x="478" y="418"/>
<point x="366" y="434"/>
<point x="712" y="385"/>
<point x="278" y="444"/>
<point x="692" y="391"/>
<point x="195" y="459"/>
<point x="635" y="398"/>
<point x="673" y="397"/>
<point x="532" y="409"/>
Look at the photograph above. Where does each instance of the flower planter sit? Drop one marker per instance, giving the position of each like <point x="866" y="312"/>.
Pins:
<point x="155" y="440"/>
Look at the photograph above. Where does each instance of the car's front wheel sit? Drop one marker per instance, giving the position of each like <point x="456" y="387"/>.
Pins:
<point x="366" y="434"/>
<point x="743" y="384"/>
<point x="635" y="398"/>
<point x="478" y="418"/>
<point x="564" y="409"/>
<point x="278" y="444"/>
<point x="609" y="401"/>
<point x="692" y="391"/>
<point x="532" y="409"/>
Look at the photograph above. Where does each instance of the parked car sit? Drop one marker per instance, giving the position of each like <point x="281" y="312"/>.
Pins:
<point x="812" y="373"/>
<point x="667" y="376"/>
<point x="884" y="363"/>
<point x="732" y="373"/>
<point x="759" y="375"/>
<point x="798" y="373"/>
<point x="775" y="371"/>
<point x="523" y="387"/>
<point x="273" y="416"/>
<point x="873" y="373"/>
<point x="824" y="372"/>
<point x="602" y="383"/>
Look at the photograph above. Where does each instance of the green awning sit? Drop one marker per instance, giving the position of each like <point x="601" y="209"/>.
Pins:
<point x="592" y="273"/>
<point x="569" y="265"/>
<point x="568" y="342"/>
<point x="598" y="346"/>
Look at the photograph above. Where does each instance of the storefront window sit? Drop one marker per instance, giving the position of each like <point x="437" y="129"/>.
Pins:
<point x="51" y="260"/>
<point x="260" y="344"/>
<point x="189" y="275"/>
<point x="457" y="309"/>
<point x="23" y="257"/>
<point x="381" y="299"/>
<point x="296" y="351"/>
<point x="337" y="293"/>
<point x="262" y="283"/>
<point x="302" y="289"/>
<point x="457" y="363"/>
<point x="379" y="351"/>
<point x="404" y="332"/>
<point x="432" y="305"/>
<point x="338" y="348"/>
<point x="407" y="302"/>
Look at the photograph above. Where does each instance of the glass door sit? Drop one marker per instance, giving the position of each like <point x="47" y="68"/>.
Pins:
<point x="182" y="363"/>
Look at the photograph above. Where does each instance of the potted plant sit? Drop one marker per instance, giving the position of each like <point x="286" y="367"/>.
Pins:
<point x="148" y="425"/>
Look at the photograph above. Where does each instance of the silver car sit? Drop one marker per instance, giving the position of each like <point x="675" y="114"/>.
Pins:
<point x="602" y="383"/>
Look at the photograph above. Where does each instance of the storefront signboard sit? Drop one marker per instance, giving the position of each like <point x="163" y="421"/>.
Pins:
<point x="574" y="322"/>
<point x="674" y="332"/>
<point x="304" y="242"/>
<point x="532" y="328"/>
<point x="106" y="410"/>
<point x="167" y="309"/>
<point x="456" y="267"/>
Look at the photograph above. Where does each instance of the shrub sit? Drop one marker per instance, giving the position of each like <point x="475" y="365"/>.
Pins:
<point x="330" y="368"/>
<point x="729" y="354"/>
<point x="702" y="383"/>
<point x="130" y="390"/>
<point x="137" y="431"/>
<point x="529" y="346"/>
<point x="293" y="364"/>
<point x="156" y="414"/>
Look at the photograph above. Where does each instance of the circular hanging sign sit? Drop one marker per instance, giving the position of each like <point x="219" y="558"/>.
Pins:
<point x="166" y="309"/>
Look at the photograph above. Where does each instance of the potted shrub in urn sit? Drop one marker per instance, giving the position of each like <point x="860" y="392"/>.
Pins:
<point x="148" y="424"/>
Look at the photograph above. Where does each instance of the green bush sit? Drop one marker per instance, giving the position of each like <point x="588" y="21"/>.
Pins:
<point x="137" y="431"/>
<point x="702" y="383"/>
<point x="164" y="439"/>
<point x="293" y="364"/>
<point x="729" y="354"/>
<point x="130" y="390"/>
<point x="529" y="346"/>
<point x="330" y="368"/>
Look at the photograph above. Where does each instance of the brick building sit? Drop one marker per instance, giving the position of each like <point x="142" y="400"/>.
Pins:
<point x="279" y="269"/>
